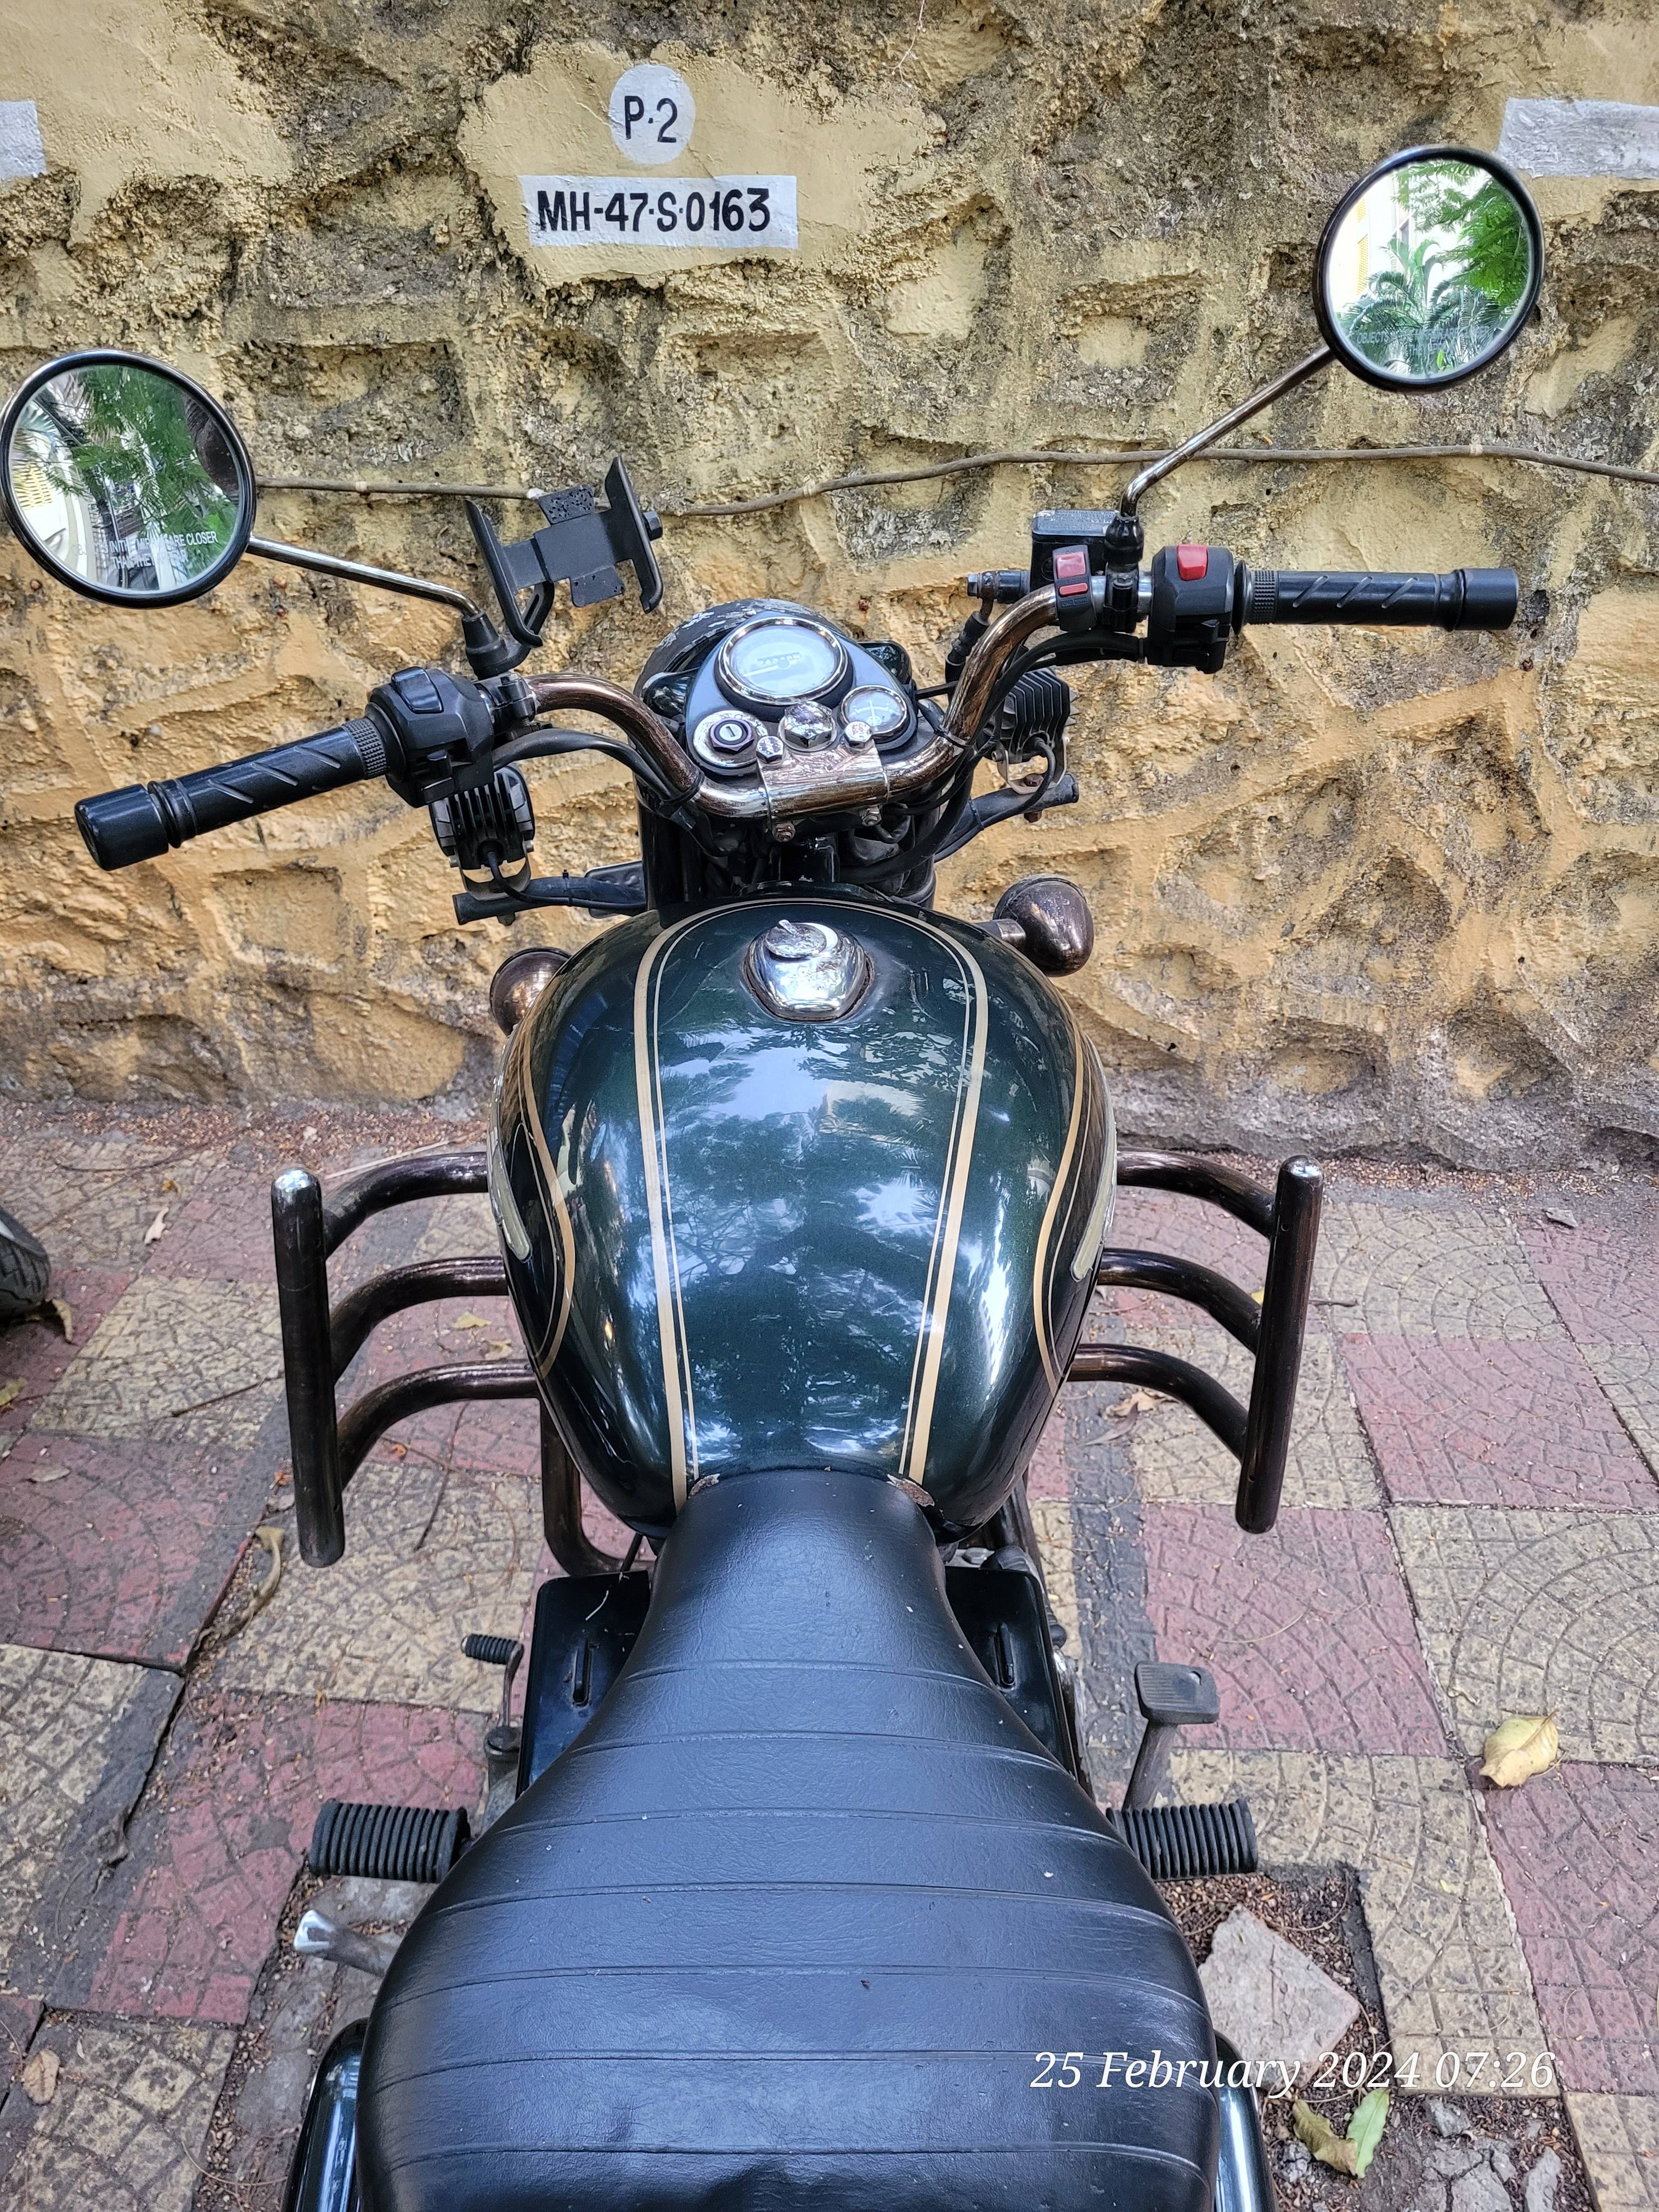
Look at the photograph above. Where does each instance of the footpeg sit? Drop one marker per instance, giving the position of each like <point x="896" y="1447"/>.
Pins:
<point x="1181" y="1843"/>
<point x="387" y="1843"/>
<point x="1169" y="1698"/>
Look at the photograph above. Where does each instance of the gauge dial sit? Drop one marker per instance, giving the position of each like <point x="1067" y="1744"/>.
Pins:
<point x="885" y="713"/>
<point x="779" y="659"/>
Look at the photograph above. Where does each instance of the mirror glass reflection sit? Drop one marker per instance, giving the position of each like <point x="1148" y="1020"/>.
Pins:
<point x="126" y="480"/>
<point x="1430" y="270"/>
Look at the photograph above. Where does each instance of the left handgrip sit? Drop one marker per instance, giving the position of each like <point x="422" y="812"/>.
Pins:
<point x="140" y="822"/>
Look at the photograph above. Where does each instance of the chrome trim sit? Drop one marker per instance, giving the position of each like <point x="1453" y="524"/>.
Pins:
<point x="738" y="693"/>
<point x="1036" y="611"/>
<point x="1213" y="433"/>
<point x="807" y="971"/>
<point x="359" y="572"/>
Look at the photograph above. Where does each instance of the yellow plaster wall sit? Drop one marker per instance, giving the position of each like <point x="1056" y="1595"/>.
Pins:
<point x="1394" y="890"/>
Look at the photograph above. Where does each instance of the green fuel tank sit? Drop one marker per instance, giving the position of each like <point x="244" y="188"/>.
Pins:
<point x="809" y="1181"/>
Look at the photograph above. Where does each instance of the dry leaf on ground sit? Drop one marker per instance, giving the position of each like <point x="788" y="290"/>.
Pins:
<point x="470" y="1320"/>
<point x="48" y="1473"/>
<point x="1332" y="2149"/>
<point x="10" y="1391"/>
<point x="39" y="2079"/>
<point x="1138" y="1401"/>
<point x="156" y="1226"/>
<point x="1521" y="1747"/>
<point x="60" y="1309"/>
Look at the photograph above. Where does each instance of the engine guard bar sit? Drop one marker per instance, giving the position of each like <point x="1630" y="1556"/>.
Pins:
<point x="319" y="1344"/>
<point x="1259" y="1435"/>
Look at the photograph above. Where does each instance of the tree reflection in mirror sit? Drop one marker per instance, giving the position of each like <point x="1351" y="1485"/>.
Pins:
<point x="127" y="481"/>
<point x="1430" y="271"/>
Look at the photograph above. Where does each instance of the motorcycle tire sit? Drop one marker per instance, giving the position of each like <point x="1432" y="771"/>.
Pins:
<point x="25" y="1270"/>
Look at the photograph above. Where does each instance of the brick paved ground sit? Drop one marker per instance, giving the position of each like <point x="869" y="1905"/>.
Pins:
<point x="1469" y="1530"/>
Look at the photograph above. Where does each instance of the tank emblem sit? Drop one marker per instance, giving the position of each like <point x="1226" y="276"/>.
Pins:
<point x="807" y="971"/>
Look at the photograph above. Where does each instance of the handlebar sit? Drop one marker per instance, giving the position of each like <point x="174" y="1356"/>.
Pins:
<point x="430" y="733"/>
<point x="1467" y="598"/>
<point x="141" y="821"/>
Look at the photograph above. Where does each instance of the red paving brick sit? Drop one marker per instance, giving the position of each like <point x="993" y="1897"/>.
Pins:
<point x="120" y="1548"/>
<point x="1576" y="1850"/>
<point x="36" y="1353"/>
<point x="1307" y="1630"/>
<point x="1460" y="1421"/>
<point x="1601" y="1281"/>
<point x="181" y="1928"/>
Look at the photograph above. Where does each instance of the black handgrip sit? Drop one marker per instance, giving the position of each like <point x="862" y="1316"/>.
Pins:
<point x="141" y="821"/>
<point x="1467" y="598"/>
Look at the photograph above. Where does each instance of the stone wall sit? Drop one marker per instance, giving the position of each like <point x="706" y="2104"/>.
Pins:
<point x="1398" y="891"/>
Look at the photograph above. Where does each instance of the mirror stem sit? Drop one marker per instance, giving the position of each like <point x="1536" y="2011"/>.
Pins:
<point x="358" y="572"/>
<point x="1155" y="471"/>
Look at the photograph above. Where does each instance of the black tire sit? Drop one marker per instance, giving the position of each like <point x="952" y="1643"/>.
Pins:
<point x="25" y="1270"/>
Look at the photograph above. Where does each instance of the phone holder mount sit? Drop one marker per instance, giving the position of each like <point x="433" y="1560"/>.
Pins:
<point x="583" y="546"/>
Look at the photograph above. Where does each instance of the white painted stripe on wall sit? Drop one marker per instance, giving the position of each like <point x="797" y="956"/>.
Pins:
<point x="1581" y="138"/>
<point x="22" y="153"/>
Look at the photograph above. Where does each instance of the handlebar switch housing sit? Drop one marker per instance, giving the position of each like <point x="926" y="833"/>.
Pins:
<point x="444" y="728"/>
<point x="1191" y="616"/>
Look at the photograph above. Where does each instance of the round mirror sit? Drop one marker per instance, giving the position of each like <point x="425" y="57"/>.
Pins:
<point x="1428" y="268"/>
<point x="125" y="479"/>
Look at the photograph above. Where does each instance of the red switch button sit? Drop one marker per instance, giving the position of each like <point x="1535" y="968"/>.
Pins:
<point x="1192" y="561"/>
<point x="1071" y="572"/>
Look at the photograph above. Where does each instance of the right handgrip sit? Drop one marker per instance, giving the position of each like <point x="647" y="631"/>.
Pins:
<point x="140" y="822"/>
<point x="1466" y="599"/>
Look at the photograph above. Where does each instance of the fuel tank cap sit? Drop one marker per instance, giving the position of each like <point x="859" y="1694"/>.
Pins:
<point x="807" y="971"/>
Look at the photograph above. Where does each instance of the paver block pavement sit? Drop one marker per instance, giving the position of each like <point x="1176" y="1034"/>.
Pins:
<point x="1575" y="1848"/>
<point x="1601" y="1279"/>
<point x="1541" y="1613"/>
<point x="35" y="1354"/>
<point x="77" y="1737"/>
<point x="1451" y="1971"/>
<point x="1178" y="1461"/>
<point x="127" y="2126"/>
<point x="178" y="1361"/>
<point x="1619" y="2139"/>
<point x="1307" y="1629"/>
<point x="1436" y="1271"/>
<point x="431" y="1553"/>
<point x="182" y="1926"/>
<point x="1461" y="1422"/>
<point x="90" y="1195"/>
<point x="18" y="2018"/>
<point x="117" y="1547"/>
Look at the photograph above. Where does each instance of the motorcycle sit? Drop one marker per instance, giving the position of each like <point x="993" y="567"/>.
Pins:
<point x="791" y="1886"/>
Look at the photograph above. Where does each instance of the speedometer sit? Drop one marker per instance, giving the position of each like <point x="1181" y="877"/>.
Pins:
<point x="779" y="659"/>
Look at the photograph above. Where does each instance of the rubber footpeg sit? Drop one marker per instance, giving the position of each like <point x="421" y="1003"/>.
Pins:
<point x="387" y="1843"/>
<point x="490" y="1651"/>
<point x="1183" y="1843"/>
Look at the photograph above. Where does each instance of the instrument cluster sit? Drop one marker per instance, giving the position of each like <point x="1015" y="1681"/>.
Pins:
<point x="786" y="686"/>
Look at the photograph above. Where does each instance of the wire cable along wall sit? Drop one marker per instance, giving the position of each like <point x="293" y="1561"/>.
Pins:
<point x="968" y="463"/>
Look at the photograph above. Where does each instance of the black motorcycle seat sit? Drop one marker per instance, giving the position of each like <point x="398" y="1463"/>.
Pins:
<point x="806" y="1917"/>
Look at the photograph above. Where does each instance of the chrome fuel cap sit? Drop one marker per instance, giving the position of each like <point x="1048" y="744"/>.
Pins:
<point x="806" y="971"/>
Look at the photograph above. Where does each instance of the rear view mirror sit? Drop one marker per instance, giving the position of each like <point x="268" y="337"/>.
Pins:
<point x="1429" y="269"/>
<point x="125" y="479"/>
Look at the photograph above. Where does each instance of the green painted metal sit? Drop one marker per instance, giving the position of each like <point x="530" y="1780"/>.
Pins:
<point x="743" y="1242"/>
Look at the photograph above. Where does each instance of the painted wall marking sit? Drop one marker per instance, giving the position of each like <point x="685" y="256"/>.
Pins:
<point x="718" y="213"/>
<point x="1581" y="138"/>
<point x="22" y="153"/>
<point x="652" y="113"/>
